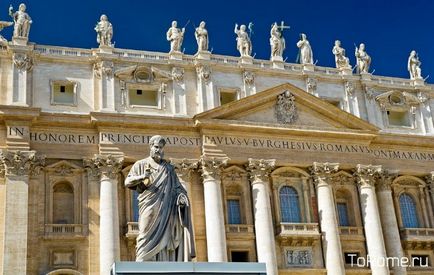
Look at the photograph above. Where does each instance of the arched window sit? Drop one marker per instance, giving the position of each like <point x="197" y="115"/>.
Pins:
<point x="289" y="205"/>
<point x="408" y="211"/>
<point x="63" y="203"/>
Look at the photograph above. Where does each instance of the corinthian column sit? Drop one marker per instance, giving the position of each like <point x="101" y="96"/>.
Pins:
<point x="265" y="243"/>
<point x="214" y="219"/>
<point x="322" y="174"/>
<point x="107" y="169"/>
<point x="18" y="166"/>
<point x="367" y="176"/>
<point x="388" y="220"/>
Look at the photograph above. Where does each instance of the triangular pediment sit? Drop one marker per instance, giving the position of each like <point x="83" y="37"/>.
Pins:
<point x="289" y="107"/>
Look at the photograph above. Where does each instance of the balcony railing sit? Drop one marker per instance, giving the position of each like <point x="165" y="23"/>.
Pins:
<point x="351" y="230"/>
<point x="64" y="230"/>
<point x="132" y="230"/>
<point x="240" y="231"/>
<point x="351" y="233"/>
<point x="239" y="228"/>
<point x="418" y="234"/>
<point x="298" y="229"/>
<point x="294" y="233"/>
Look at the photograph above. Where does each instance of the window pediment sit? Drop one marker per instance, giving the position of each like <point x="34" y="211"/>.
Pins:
<point x="399" y="101"/>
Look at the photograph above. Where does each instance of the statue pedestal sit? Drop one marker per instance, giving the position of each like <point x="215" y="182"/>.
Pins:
<point x="187" y="268"/>
<point x="245" y="59"/>
<point x="308" y="67"/>
<point x="105" y="49"/>
<point x="20" y="41"/>
<point x="175" y="55"/>
<point x="365" y="76"/>
<point x="418" y="82"/>
<point x="278" y="62"/>
<point x="204" y="55"/>
<point x="346" y="71"/>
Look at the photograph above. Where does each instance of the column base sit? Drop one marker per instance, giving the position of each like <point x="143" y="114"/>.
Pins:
<point x="175" y="55"/>
<point x="204" y="55"/>
<point x="19" y="40"/>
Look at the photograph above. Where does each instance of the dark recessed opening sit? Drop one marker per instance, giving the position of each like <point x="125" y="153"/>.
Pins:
<point x="62" y="89"/>
<point x="240" y="256"/>
<point x="139" y="92"/>
<point x="351" y="257"/>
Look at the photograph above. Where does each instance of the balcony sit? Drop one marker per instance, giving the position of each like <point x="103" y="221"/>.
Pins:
<point x="351" y="233"/>
<point x="64" y="231"/>
<point x="418" y="238"/>
<point x="294" y="234"/>
<point x="240" y="231"/>
<point x="132" y="230"/>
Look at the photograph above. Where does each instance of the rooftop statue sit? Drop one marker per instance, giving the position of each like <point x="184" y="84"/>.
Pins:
<point x="165" y="228"/>
<point x="104" y="30"/>
<point x="244" y="45"/>
<point x="201" y="35"/>
<point x="305" y="50"/>
<point x="363" y="59"/>
<point x="277" y="41"/>
<point x="22" y="21"/>
<point x="342" y="62"/>
<point x="175" y="36"/>
<point x="413" y="66"/>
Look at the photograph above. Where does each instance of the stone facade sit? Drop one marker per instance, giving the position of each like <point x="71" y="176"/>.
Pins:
<point x="292" y="165"/>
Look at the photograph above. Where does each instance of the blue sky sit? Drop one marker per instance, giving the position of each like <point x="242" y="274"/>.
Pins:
<point x="390" y="29"/>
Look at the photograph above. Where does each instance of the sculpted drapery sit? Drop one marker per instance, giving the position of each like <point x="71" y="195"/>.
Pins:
<point x="165" y="228"/>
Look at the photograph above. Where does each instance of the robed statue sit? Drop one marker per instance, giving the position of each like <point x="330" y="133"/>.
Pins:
<point x="165" y="228"/>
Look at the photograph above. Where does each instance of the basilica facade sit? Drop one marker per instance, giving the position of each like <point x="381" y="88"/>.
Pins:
<point x="309" y="169"/>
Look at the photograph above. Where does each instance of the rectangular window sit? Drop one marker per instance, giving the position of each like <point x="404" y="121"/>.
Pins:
<point x="234" y="211"/>
<point x="135" y="205"/>
<point x="399" y="118"/>
<point x="343" y="214"/>
<point x="63" y="92"/>
<point x="139" y="97"/>
<point x="351" y="257"/>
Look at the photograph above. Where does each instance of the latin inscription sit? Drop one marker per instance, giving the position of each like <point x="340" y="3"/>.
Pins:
<point x="307" y="146"/>
<point x="238" y="142"/>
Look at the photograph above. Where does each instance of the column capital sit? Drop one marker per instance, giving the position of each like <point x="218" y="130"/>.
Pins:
<point x="21" y="163"/>
<point x="211" y="167"/>
<point x="184" y="166"/>
<point x="385" y="179"/>
<point x="104" y="166"/>
<point x="322" y="171"/>
<point x="367" y="174"/>
<point x="259" y="169"/>
<point x="103" y="68"/>
<point x="430" y="179"/>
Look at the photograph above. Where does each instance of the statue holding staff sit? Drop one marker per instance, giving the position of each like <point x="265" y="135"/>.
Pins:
<point x="165" y="228"/>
